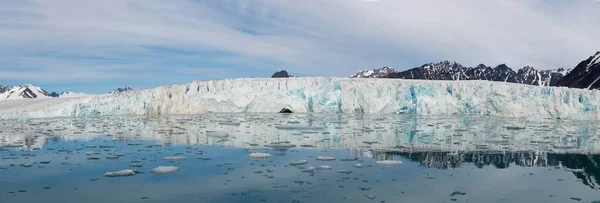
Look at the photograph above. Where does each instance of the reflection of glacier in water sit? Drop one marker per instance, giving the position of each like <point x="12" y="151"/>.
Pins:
<point x="385" y="133"/>
<point x="438" y="142"/>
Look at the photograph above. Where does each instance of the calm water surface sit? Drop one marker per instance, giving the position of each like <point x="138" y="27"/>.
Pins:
<point x="445" y="159"/>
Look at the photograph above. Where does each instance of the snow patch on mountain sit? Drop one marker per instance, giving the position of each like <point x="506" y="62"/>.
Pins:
<point x="330" y="95"/>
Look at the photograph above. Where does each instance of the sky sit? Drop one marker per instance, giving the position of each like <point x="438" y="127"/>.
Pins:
<point x="96" y="46"/>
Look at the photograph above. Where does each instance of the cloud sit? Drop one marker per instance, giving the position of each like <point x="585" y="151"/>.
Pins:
<point x="251" y="37"/>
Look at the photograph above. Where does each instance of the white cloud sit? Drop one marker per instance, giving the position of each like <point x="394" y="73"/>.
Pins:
<point x="314" y="37"/>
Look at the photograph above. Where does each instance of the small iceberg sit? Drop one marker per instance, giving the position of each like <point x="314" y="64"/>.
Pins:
<point x="165" y="169"/>
<point x="174" y="158"/>
<point x="259" y="155"/>
<point x="126" y="172"/>
<point x="325" y="158"/>
<point x="389" y="162"/>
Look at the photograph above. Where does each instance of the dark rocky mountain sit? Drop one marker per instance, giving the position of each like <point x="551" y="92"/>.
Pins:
<point x="281" y="74"/>
<point x="119" y="90"/>
<point x="585" y="75"/>
<point x="450" y="70"/>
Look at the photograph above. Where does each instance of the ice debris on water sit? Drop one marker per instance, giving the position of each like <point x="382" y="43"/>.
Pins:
<point x="389" y="162"/>
<point x="126" y="172"/>
<point x="324" y="167"/>
<point x="298" y="163"/>
<point x="164" y="169"/>
<point x="325" y="158"/>
<point x="174" y="158"/>
<point x="259" y="155"/>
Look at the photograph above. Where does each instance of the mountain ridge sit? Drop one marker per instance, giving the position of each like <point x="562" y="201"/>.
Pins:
<point x="451" y="70"/>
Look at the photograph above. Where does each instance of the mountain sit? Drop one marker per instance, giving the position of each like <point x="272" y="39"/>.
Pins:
<point x="375" y="73"/>
<point x="281" y="74"/>
<point x="23" y="92"/>
<point x="119" y="90"/>
<point x="585" y="75"/>
<point x="3" y="89"/>
<point x="450" y="70"/>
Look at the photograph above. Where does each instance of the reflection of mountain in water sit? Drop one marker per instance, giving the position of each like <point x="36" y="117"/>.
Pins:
<point x="584" y="167"/>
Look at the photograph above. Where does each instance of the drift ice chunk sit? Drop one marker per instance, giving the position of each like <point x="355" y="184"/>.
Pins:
<point x="298" y="163"/>
<point x="126" y="172"/>
<point x="259" y="155"/>
<point x="325" y="158"/>
<point x="174" y="158"/>
<point x="164" y="169"/>
<point x="324" y="167"/>
<point x="389" y="162"/>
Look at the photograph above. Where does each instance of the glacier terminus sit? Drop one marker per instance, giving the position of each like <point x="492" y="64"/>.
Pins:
<point x="327" y="95"/>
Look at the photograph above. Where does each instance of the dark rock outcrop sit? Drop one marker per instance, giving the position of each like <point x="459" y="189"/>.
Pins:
<point x="286" y="110"/>
<point x="281" y="74"/>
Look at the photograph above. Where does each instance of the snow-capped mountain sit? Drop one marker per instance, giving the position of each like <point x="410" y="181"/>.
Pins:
<point x="585" y="75"/>
<point x="24" y="92"/>
<point x="450" y="70"/>
<point x="119" y="90"/>
<point x="375" y="73"/>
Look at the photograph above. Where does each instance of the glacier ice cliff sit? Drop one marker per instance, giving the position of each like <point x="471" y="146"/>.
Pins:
<point x="329" y="95"/>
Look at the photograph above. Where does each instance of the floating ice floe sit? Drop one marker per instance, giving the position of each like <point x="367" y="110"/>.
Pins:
<point x="92" y="153"/>
<point x="389" y="162"/>
<point x="325" y="158"/>
<point x="259" y="155"/>
<point x="174" y="158"/>
<point x="298" y="163"/>
<point x="126" y="172"/>
<point x="164" y="169"/>
<point x="219" y="134"/>
<point x="324" y="167"/>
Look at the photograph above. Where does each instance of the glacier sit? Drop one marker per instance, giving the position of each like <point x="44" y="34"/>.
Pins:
<point x="327" y="95"/>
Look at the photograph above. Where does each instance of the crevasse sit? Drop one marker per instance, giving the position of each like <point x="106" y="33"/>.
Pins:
<point x="331" y="95"/>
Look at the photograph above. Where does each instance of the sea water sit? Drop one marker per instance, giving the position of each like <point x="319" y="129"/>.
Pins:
<point x="303" y="158"/>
